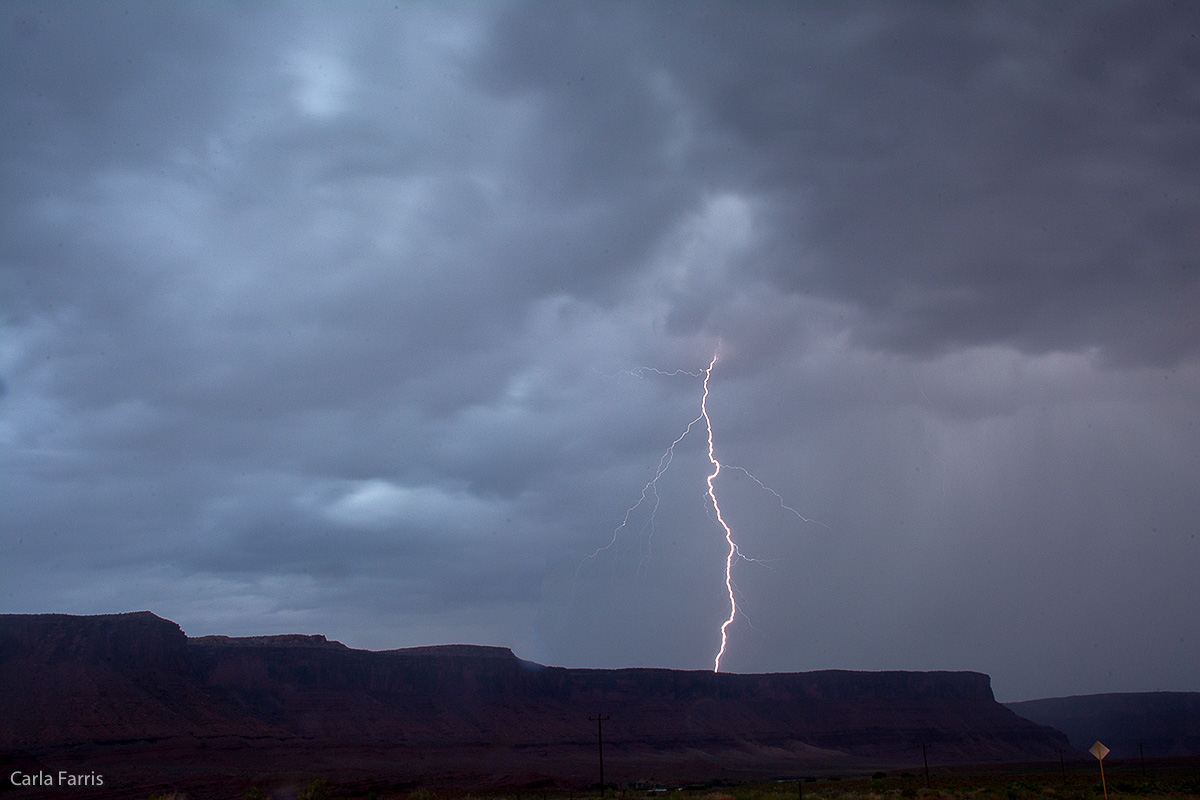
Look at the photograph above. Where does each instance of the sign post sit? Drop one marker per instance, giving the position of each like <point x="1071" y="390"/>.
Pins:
<point x="1100" y="751"/>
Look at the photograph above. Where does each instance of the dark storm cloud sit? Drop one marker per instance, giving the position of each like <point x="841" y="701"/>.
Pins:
<point x="969" y="173"/>
<point x="940" y="166"/>
<point x="330" y="318"/>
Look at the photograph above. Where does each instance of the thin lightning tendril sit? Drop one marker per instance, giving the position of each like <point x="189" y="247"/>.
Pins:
<point x="778" y="497"/>
<point x="651" y="486"/>
<point x="640" y="372"/>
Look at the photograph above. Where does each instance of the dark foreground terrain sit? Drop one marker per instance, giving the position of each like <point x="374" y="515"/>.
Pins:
<point x="131" y="700"/>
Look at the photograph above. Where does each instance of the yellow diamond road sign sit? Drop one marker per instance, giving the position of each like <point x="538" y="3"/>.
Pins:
<point x="1098" y="750"/>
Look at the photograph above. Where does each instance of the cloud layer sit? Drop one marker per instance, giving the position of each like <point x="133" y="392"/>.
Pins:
<point x="374" y="320"/>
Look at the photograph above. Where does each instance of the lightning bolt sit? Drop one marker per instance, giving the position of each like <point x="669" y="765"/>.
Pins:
<point x="664" y="462"/>
<point x="712" y="495"/>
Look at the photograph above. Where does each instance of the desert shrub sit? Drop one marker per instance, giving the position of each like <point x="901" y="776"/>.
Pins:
<point x="253" y="793"/>
<point x="315" y="790"/>
<point x="1019" y="791"/>
<point x="1141" y="787"/>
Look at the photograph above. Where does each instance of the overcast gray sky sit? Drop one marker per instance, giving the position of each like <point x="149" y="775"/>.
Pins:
<point x="339" y="318"/>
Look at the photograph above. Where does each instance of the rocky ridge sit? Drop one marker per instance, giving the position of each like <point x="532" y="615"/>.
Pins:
<point x="133" y="688"/>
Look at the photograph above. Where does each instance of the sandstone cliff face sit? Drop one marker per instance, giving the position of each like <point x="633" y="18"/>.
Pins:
<point x="136" y="683"/>
<point x="66" y="679"/>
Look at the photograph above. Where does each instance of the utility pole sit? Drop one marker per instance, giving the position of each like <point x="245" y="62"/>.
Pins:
<point x="1062" y="764"/>
<point x="925" y="758"/>
<point x="1142" y="755"/>
<point x="600" y="720"/>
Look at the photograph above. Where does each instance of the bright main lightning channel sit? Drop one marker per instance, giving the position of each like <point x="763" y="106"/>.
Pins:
<point x="712" y="495"/>
<point x="650" y="493"/>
